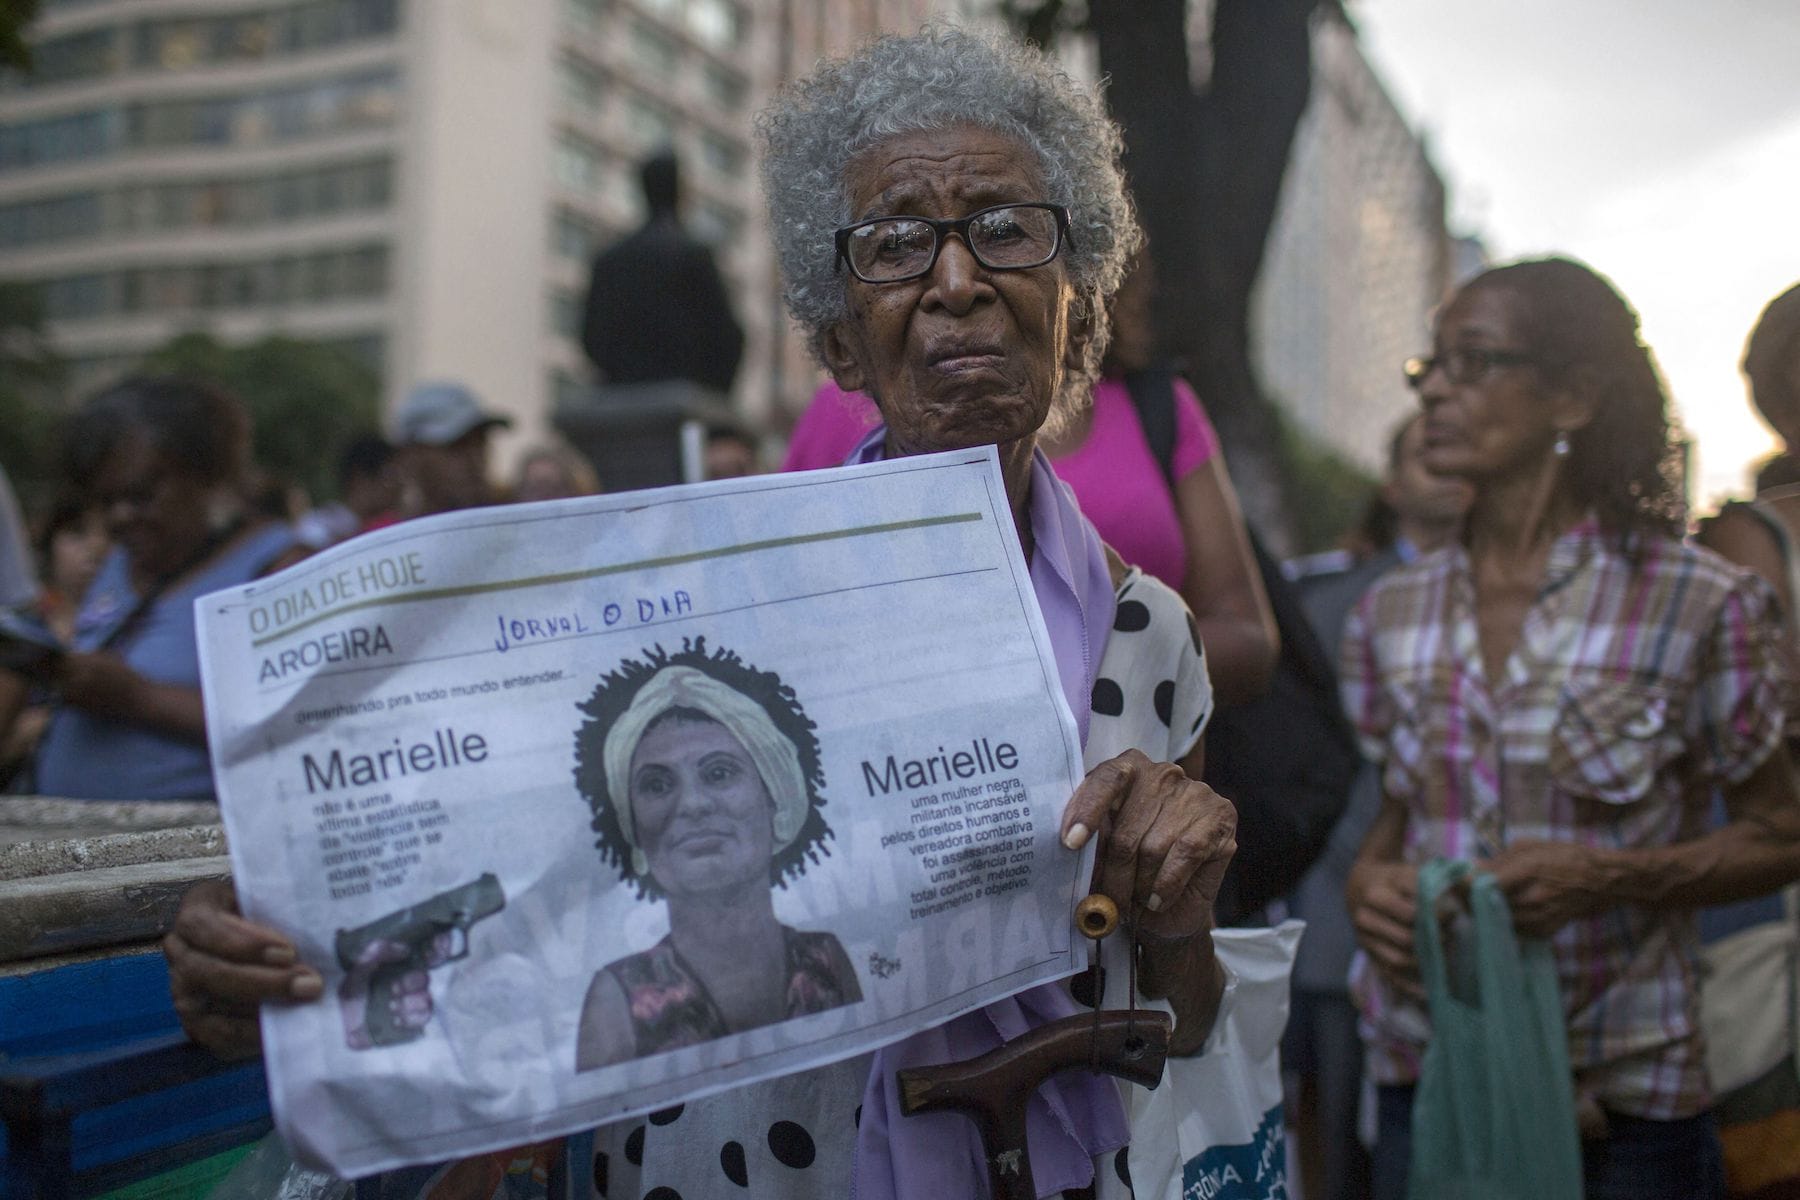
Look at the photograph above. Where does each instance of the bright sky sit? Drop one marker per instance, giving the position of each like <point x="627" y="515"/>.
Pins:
<point x="1658" y="140"/>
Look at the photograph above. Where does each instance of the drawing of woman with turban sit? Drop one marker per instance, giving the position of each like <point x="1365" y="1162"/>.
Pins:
<point x="703" y="774"/>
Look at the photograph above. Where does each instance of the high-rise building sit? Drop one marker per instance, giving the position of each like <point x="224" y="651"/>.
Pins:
<point x="1357" y="259"/>
<point x="422" y="181"/>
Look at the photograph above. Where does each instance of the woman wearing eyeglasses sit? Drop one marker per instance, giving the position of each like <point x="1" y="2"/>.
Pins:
<point x="950" y="220"/>
<point x="1555" y="697"/>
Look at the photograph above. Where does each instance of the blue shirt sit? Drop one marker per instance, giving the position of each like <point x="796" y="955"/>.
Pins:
<point x="88" y="757"/>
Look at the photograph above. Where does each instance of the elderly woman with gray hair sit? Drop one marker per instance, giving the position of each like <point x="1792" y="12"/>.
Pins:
<point x="950" y="219"/>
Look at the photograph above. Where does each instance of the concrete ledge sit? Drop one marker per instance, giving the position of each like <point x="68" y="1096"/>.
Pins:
<point x="106" y="906"/>
<point x="59" y="855"/>
<point x="42" y="818"/>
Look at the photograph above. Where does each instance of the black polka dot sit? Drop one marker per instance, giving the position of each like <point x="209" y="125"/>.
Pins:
<point x="1122" y="1165"/>
<point x="1109" y="698"/>
<point x="1131" y="616"/>
<point x="667" y="1116"/>
<point x="600" y="1183"/>
<point x="662" y="1193"/>
<point x="1086" y="988"/>
<point x="1165" y="706"/>
<point x="791" y="1145"/>
<point x="858" y="1116"/>
<point x="634" y="1147"/>
<point x="731" y="1159"/>
<point x="1199" y="721"/>
<point x="1194" y="632"/>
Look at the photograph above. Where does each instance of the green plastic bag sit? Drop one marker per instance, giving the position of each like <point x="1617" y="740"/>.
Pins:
<point x="1494" y="1112"/>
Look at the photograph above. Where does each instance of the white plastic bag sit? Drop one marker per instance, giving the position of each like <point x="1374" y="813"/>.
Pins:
<point x="269" y="1172"/>
<point x="1213" y="1129"/>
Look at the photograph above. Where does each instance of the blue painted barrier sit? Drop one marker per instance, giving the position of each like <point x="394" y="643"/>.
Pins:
<point x="99" y="1088"/>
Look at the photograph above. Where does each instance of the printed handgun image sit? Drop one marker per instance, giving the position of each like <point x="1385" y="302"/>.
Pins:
<point x="386" y="994"/>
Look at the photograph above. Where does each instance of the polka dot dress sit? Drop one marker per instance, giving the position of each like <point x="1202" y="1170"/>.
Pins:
<point x="791" y="1138"/>
<point x="794" y="1138"/>
<point x="1152" y="691"/>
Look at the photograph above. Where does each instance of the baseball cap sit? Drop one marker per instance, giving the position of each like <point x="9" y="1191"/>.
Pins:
<point x="436" y="414"/>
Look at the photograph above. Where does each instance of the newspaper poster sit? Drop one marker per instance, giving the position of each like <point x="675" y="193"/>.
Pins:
<point x="589" y="808"/>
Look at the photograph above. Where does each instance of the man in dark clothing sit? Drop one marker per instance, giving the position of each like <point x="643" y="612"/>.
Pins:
<point x="656" y="309"/>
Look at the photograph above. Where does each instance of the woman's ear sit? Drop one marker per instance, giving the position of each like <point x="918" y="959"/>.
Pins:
<point x="1576" y="402"/>
<point x="840" y="348"/>
<point x="1081" y="334"/>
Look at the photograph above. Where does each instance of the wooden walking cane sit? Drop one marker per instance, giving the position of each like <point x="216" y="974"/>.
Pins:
<point x="994" y="1089"/>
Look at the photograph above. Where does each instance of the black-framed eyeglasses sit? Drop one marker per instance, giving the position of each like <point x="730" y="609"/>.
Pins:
<point x="1006" y="237"/>
<point x="1465" y="364"/>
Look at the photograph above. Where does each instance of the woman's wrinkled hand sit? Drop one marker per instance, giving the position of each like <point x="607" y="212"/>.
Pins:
<point x="1383" y="899"/>
<point x="223" y="968"/>
<point x="1549" y="884"/>
<point x="1165" y="841"/>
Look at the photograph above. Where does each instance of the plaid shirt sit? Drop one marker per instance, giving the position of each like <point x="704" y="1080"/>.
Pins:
<point x="1634" y="689"/>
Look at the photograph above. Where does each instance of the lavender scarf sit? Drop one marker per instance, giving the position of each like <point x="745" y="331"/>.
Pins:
<point x="1074" y="1117"/>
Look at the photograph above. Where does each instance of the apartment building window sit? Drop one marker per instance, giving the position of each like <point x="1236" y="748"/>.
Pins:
<point x="723" y="87"/>
<point x="186" y="42"/>
<point x="715" y="225"/>
<point x="577" y="236"/>
<point x="565" y="314"/>
<point x="584" y="13"/>
<point x="77" y="297"/>
<point x="716" y="24"/>
<point x="323" y="276"/>
<point x="352" y="102"/>
<point x="647" y="123"/>
<point x="721" y="154"/>
<point x="583" y="87"/>
<point x="656" y="52"/>
<point x="55" y="219"/>
<point x="577" y="163"/>
<point x="60" y="139"/>
<point x="73" y="58"/>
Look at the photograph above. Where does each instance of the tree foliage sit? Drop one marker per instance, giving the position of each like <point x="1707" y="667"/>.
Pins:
<point x="15" y="15"/>
<point x="306" y="399"/>
<point x="31" y="375"/>
<point x="1206" y="165"/>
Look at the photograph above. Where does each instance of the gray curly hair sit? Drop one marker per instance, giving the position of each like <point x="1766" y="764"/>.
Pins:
<point x="937" y="79"/>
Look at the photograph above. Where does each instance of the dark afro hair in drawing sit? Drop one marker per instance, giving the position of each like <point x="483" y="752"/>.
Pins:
<point x="619" y="687"/>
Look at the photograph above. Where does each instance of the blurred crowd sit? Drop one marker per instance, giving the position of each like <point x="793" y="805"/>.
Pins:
<point x="1541" y="663"/>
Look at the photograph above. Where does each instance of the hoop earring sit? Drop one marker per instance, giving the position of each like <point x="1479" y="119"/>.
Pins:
<point x="1561" y="446"/>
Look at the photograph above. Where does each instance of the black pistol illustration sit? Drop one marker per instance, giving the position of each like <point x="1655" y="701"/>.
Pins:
<point x="417" y="928"/>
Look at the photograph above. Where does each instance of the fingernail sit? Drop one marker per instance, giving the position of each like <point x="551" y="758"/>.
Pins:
<point x="1154" y="903"/>
<point x="279" y="956"/>
<point x="306" y="986"/>
<point x="1077" y="836"/>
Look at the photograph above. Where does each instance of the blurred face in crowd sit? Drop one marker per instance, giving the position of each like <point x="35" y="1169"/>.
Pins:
<point x="1413" y="491"/>
<point x="75" y="551"/>
<point x="375" y="492"/>
<point x="962" y="355"/>
<point x="1501" y="417"/>
<point x="729" y="458"/>
<point x="554" y="475"/>
<point x="1133" y="345"/>
<point x="160" y="515"/>
<point x="450" y="477"/>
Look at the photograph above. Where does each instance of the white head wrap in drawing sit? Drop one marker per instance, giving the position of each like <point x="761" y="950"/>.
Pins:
<point x="770" y="750"/>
